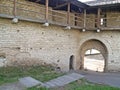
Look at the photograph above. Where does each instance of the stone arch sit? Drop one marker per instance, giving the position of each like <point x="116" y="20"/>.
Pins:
<point x="105" y="42"/>
<point x="100" y="45"/>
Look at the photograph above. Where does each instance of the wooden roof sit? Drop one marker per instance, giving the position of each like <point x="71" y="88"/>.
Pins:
<point x="76" y="5"/>
<point x="106" y="7"/>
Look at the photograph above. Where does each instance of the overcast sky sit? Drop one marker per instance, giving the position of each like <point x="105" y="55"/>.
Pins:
<point x="85" y="0"/>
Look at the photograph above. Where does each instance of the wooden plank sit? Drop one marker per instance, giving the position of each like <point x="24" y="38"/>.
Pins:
<point x="61" y="5"/>
<point x="37" y="1"/>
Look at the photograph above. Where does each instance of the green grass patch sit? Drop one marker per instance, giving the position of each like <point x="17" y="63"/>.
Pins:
<point x="85" y="85"/>
<point x="79" y="85"/>
<point x="46" y="73"/>
<point x="36" y="88"/>
<point x="42" y="73"/>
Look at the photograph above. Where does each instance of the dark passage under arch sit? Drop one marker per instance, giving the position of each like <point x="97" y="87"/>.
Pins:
<point x="71" y="67"/>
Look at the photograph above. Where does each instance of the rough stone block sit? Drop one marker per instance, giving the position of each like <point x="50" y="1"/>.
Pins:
<point x="29" y="82"/>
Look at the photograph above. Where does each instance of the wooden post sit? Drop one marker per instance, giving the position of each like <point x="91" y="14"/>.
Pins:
<point x="68" y="14"/>
<point x="15" y="9"/>
<point x="46" y="12"/>
<point x="84" y="18"/>
<point x="98" y="18"/>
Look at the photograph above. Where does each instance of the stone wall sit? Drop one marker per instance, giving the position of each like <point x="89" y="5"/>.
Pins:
<point x="27" y="43"/>
<point x="112" y="43"/>
<point x="30" y="43"/>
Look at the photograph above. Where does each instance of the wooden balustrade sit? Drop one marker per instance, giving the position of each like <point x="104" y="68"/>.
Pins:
<point x="47" y="14"/>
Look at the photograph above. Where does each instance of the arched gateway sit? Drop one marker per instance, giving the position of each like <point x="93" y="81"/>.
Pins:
<point x="93" y="44"/>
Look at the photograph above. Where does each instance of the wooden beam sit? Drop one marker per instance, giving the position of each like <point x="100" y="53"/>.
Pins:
<point x="68" y="14"/>
<point x="56" y="3"/>
<point x="14" y="8"/>
<point x="84" y="18"/>
<point x="98" y="18"/>
<point x="61" y="5"/>
<point x="46" y="12"/>
<point x="37" y="0"/>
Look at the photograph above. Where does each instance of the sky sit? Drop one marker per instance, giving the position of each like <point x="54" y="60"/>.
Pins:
<point x="85" y="0"/>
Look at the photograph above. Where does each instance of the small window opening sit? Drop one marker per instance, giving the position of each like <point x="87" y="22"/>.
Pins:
<point x="71" y="66"/>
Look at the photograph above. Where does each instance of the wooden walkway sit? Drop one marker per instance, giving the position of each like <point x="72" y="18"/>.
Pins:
<point x="63" y="80"/>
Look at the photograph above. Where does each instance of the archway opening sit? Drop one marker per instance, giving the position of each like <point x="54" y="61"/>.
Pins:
<point x="94" y="60"/>
<point x="96" y="52"/>
<point x="71" y="67"/>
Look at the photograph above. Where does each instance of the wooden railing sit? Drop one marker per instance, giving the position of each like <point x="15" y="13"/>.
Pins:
<point x="58" y="17"/>
<point x="35" y="12"/>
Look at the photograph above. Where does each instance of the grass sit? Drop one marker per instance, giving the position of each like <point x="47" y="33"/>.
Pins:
<point x="79" y="85"/>
<point x="12" y="74"/>
<point x="46" y="73"/>
<point x="36" y="88"/>
<point x="85" y="85"/>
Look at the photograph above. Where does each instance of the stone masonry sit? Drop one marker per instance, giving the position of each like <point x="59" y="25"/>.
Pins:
<point x="30" y="43"/>
<point x="33" y="43"/>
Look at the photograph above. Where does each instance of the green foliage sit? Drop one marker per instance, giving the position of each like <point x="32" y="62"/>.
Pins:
<point x="79" y="85"/>
<point x="89" y="86"/>
<point x="35" y="88"/>
<point x="12" y="74"/>
<point x="46" y="73"/>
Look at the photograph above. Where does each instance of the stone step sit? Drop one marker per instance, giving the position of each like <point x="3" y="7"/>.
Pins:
<point x="63" y="80"/>
<point x="49" y="84"/>
<point x="29" y="82"/>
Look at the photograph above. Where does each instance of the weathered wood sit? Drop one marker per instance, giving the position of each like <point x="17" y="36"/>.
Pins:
<point x="59" y="6"/>
<point x="46" y="12"/>
<point x="98" y="18"/>
<point x="68" y="14"/>
<point x="84" y="18"/>
<point x="15" y="8"/>
<point x="37" y="0"/>
<point x="79" y="19"/>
